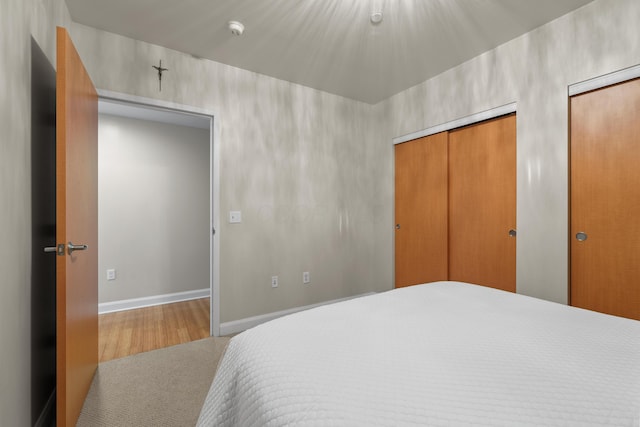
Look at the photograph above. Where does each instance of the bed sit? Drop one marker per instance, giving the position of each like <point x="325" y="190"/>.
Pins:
<point x="440" y="354"/>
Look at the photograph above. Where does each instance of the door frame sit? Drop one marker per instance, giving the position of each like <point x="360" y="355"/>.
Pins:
<point x="482" y="116"/>
<point x="602" y="81"/>
<point x="214" y="187"/>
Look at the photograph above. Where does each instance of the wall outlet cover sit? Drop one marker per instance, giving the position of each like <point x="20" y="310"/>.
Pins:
<point x="111" y="274"/>
<point x="235" y="217"/>
<point x="306" y="278"/>
<point x="274" y="281"/>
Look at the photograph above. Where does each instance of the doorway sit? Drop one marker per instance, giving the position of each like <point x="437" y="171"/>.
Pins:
<point x="156" y="226"/>
<point x="43" y="235"/>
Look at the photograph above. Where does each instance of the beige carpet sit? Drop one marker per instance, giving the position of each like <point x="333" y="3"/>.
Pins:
<point x="163" y="387"/>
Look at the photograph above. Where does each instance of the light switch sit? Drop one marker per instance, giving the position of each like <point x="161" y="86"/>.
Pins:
<point x="111" y="274"/>
<point x="235" y="217"/>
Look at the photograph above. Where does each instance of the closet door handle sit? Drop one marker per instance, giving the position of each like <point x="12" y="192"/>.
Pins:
<point x="581" y="236"/>
<point x="397" y="226"/>
<point x="513" y="233"/>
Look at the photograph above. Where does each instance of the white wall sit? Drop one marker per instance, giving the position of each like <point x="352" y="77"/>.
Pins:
<point x="533" y="70"/>
<point x="19" y="19"/>
<point x="153" y="208"/>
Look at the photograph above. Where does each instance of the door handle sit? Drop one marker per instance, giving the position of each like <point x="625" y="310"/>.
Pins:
<point x="71" y="247"/>
<point x="57" y="249"/>
<point x="397" y="226"/>
<point x="512" y="233"/>
<point x="581" y="236"/>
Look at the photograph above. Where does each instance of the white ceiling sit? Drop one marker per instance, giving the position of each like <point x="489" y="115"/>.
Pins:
<point x="329" y="45"/>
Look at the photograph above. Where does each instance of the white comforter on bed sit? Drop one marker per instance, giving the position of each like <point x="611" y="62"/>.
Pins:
<point x="441" y="354"/>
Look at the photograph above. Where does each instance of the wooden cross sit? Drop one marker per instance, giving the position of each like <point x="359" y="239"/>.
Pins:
<point x="160" y="70"/>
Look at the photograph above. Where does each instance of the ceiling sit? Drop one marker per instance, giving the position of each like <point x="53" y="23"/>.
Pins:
<point x="329" y="45"/>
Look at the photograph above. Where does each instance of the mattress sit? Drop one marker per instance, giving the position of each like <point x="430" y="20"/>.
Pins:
<point x="440" y="354"/>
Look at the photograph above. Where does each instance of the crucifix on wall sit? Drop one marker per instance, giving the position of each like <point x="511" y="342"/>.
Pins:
<point x="160" y="71"/>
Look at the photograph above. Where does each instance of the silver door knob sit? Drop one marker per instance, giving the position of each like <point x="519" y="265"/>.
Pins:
<point x="71" y="247"/>
<point x="581" y="236"/>
<point x="512" y="233"/>
<point x="57" y="249"/>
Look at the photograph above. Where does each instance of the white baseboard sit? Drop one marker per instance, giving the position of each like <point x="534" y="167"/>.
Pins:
<point x="235" y="326"/>
<point x="130" y="304"/>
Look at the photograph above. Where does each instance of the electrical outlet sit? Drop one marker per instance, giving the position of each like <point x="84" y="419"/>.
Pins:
<point x="306" y="278"/>
<point x="274" y="281"/>
<point x="111" y="274"/>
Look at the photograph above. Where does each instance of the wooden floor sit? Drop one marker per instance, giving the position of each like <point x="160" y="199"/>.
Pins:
<point x="124" y="333"/>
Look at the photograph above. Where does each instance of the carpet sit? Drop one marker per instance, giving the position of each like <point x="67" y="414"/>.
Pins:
<point x="164" y="387"/>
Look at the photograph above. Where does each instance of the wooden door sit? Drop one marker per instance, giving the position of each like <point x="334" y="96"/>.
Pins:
<point x="421" y="210"/>
<point x="482" y="203"/>
<point x="605" y="200"/>
<point x="76" y="223"/>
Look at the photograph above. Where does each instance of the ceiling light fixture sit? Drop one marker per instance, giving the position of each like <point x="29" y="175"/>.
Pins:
<point x="236" y="28"/>
<point x="376" y="18"/>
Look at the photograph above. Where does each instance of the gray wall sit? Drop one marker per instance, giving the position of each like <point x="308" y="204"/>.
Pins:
<point x="293" y="124"/>
<point x="533" y="70"/>
<point x="312" y="172"/>
<point x="298" y="163"/>
<point x="153" y="208"/>
<point x="19" y="20"/>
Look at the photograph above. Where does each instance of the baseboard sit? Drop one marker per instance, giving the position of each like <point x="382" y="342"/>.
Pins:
<point x="47" y="416"/>
<point x="235" y="326"/>
<point x="130" y="304"/>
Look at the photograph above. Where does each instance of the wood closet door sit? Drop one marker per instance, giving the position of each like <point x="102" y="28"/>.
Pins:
<point x="605" y="200"/>
<point x="482" y="203"/>
<point x="421" y="210"/>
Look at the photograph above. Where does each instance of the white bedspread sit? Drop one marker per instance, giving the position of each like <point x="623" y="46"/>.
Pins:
<point x="442" y="354"/>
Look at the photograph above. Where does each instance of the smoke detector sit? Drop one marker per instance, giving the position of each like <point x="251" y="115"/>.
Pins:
<point x="376" y="18"/>
<point x="236" y="28"/>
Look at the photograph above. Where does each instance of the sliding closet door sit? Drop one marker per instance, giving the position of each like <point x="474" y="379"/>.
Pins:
<point x="421" y="210"/>
<point x="482" y="204"/>
<point x="605" y="200"/>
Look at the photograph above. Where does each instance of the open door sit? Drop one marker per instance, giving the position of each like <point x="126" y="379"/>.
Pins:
<point x="76" y="231"/>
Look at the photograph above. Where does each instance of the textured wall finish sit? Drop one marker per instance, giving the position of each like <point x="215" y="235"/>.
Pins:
<point x="297" y="162"/>
<point x="533" y="70"/>
<point x="329" y="45"/>
<point x="19" y="20"/>
<point x="312" y="172"/>
<point x="153" y="208"/>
